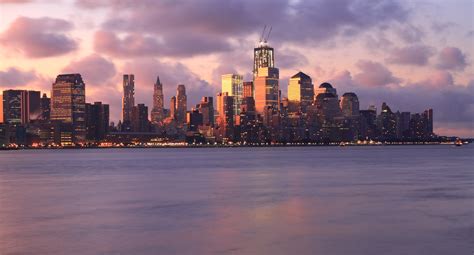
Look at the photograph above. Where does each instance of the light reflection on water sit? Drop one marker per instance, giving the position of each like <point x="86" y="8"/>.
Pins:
<point x="309" y="200"/>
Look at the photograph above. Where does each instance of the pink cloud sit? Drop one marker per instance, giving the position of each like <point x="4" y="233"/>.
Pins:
<point x="95" y="69"/>
<point x="374" y="74"/>
<point x="38" y="37"/>
<point x="452" y="58"/>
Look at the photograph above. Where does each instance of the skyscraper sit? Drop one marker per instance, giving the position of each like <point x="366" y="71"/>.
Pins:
<point x="1" y="108"/>
<point x="97" y="121"/>
<point x="45" y="103"/>
<point x="128" y="99"/>
<point x="301" y="90"/>
<point x="247" y="89"/>
<point x="225" y="108"/>
<point x="181" y="104"/>
<point x="266" y="76"/>
<point x="15" y="110"/>
<point x="206" y="108"/>
<point x="325" y="88"/>
<point x="140" y="122"/>
<point x="173" y="107"/>
<point x="349" y="105"/>
<point x="157" y="114"/>
<point x="232" y="84"/>
<point x="20" y="106"/>
<point x="68" y="104"/>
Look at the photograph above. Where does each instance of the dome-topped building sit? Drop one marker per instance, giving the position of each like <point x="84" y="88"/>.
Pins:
<point x="349" y="104"/>
<point x="325" y="87"/>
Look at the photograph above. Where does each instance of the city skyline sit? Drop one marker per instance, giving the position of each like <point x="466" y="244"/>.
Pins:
<point x="410" y="69"/>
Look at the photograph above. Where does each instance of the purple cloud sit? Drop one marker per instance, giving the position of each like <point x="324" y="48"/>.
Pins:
<point x="15" y="1"/>
<point x="411" y="55"/>
<point x="374" y="74"/>
<point x="38" y="37"/>
<point x="453" y="104"/>
<point x="95" y="69"/>
<point x="138" y="45"/>
<point x="13" y="77"/>
<point x="452" y="58"/>
<point x="204" y="26"/>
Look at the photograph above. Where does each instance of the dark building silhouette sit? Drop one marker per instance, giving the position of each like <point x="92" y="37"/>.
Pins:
<point x="140" y="122"/>
<point x="157" y="113"/>
<point x="128" y="99"/>
<point x="181" y="104"/>
<point x="206" y="108"/>
<point x="45" y="105"/>
<point x="97" y="121"/>
<point x="387" y="124"/>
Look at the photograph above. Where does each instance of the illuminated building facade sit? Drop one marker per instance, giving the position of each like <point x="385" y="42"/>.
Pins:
<point x="301" y="90"/>
<point x="181" y="104"/>
<point x="68" y="103"/>
<point x="232" y="84"/>
<point x="157" y="114"/>
<point x="128" y="99"/>
<point x="349" y="105"/>
<point x="247" y="89"/>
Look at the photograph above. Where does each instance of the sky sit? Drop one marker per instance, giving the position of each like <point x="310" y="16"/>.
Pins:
<point x="412" y="54"/>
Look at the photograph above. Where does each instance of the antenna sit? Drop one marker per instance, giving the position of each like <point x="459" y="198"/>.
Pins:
<point x="268" y="35"/>
<point x="263" y="33"/>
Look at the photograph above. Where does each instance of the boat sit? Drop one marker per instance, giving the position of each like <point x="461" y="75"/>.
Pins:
<point x="458" y="142"/>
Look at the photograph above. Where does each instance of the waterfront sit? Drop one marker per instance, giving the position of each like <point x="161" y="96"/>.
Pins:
<point x="273" y="200"/>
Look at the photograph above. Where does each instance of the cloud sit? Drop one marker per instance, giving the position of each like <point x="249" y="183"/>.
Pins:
<point x="411" y="55"/>
<point x="38" y="37"/>
<point x="453" y="104"/>
<point x="409" y="33"/>
<point x="452" y="58"/>
<point x="201" y="27"/>
<point x="13" y="77"/>
<point x="374" y="74"/>
<point x="95" y="69"/>
<point x="139" y="45"/>
<point x="15" y="1"/>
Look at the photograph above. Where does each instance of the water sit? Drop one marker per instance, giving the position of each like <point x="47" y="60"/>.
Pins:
<point x="307" y="200"/>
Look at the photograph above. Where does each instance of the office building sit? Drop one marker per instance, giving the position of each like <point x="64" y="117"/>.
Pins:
<point x="140" y="122"/>
<point x="266" y="80"/>
<point x="232" y="84"/>
<point x="301" y="90"/>
<point x="247" y="90"/>
<point x="128" y="99"/>
<point x="157" y="113"/>
<point x="181" y="104"/>
<point x="97" y="121"/>
<point x="68" y="103"/>
<point x="349" y="105"/>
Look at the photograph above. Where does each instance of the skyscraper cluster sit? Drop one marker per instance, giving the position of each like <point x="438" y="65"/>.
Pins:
<point x="245" y="112"/>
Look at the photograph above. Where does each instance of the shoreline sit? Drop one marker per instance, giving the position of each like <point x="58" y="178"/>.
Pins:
<point x="195" y="146"/>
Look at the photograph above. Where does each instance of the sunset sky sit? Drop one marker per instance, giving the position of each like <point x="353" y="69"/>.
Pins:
<point x="412" y="54"/>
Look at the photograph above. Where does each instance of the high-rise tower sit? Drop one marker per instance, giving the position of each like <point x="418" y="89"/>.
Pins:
<point x="128" y="99"/>
<point x="157" y="111"/>
<point x="181" y="104"/>
<point x="68" y="104"/>
<point x="301" y="90"/>
<point x="266" y="76"/>
<point x="232" y="84"/>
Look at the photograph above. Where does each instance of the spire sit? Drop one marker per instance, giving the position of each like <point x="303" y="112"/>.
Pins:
<point x="158" y="80"/>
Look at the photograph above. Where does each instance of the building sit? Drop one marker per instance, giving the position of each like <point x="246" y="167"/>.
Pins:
<point x="387" y="124"/>
<point x="266" y="79"/>
<point x="1" y="108"/>
<point x="181" y="104"/>
<point x="403" y="124"/>
<point x="247" y="90"/>
<point x="20" y="106"/>
<point x="194" y="119"/>
<point x="368" y="124"/>
<point x="225" y="122"/>
<point x="327" y="106"/>
<point x="68" y="103"/>
<point x="349" y="105"/>
<point x="140" y="122"/>
<point x="301" y="90"/>
<point x="157" y="113"/>
<point x="206" y="108"/>
<point x="45" y="105"/>
<point x="325" y="88"/>
<point x="128" y="99"/>
<point x="173" y="107"/>
<point x="232" y="84"/>
<point x="97" y="121"/>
